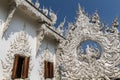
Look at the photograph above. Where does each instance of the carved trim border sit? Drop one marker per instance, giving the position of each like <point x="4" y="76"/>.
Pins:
<point x="19" y="46"/>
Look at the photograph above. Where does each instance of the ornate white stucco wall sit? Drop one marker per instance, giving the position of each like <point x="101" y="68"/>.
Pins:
<point x="75" y="65"/>
<point x="21" y="27"/>
<point x="27" y="31"/>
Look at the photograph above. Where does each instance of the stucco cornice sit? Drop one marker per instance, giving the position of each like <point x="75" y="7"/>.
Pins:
<point x="33" y="12"/>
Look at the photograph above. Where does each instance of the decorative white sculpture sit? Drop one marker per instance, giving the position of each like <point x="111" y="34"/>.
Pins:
<point x="53" y="16"/>
<point x="103" y="68"/>
<point x="60" y="29"/>
<point x="46" y="55"/>
<point x="91" y="54"/>
<point x="37" y="4"/>
<point x="72" y="68"/>
<point x="96" y="18"/>
<point x="9" y="18"/>
<point x="19" y="46"/>
<point x="115" y="25"/>
<point x="45" y="11"/>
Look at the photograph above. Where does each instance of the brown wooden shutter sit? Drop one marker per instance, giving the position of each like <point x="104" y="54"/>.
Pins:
<point x="51" y="70"/>
<point x="25" y="67"/>
<point x="14" y="75"/>
<point x="46" y="69"/>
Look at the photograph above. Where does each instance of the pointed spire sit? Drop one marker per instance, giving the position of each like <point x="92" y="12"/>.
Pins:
<point x="115" y="22"/>
<point x="80" y="10"/>
<point x="60" y="27"/>
<point x="115" y="25"/>
<point x="37" y="4"/>
<point x="80" y="14"/>
<point x="62" y="23"/>
<point x="95" y="18"/>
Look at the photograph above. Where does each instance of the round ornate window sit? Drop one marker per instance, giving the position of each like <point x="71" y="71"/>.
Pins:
<point x="89" y="49"/>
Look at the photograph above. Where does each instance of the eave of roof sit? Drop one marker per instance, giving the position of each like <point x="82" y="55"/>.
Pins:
<point x="30" y="9"/>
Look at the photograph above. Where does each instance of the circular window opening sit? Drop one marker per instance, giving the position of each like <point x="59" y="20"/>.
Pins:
<point x="90" y="47"/>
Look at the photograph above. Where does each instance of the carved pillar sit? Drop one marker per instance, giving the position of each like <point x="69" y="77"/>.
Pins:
<point x="40" y="36"/>
<point x="12" y="10"/>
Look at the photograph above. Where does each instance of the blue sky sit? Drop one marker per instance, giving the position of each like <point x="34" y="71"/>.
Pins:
<point x="107" y="9"/>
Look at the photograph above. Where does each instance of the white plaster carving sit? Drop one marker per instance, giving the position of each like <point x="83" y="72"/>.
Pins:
<point x="94" y="69"/>
<point x="115" y="25"/>
<point x="45" y="11"/>
<point x="19" y="46"/>
<point x="45" y="56"/>
<point x="60" y="29"/>
<point x="115" y="22"/>
<point x="5" y="26"/>
<point x="53" y="17"/>
<point x="37" y="4"/>
<point x="90" y="56"/>
<point x="69" y="67"/>
<point x="96" y="18"/>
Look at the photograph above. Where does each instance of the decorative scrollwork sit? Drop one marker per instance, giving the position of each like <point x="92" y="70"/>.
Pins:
<point x="19" y="46"/>
<point x="94" y="69"/>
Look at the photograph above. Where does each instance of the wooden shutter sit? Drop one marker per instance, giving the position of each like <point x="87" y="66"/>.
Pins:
<point x="46" y="69"/>
<point x="14" y="75"/>
<point x="51" y="70"/>
<point x="25" y="67"/>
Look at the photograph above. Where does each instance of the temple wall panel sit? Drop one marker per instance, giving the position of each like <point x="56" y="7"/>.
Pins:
<point x="22" y="23"/>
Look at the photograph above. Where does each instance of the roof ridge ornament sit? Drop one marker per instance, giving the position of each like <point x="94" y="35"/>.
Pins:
<point x="95" y="17"/>
<point x="37" y="4"/>
<point x="53" y="16"/>
<point x="115" y="25"/>
<point x="45" y="11"/>
<point x="60" y="26"/>
<point x="80" y="10"/>
<point x="115" y="22"/>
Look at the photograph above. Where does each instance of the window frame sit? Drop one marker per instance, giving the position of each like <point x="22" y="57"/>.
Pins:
<point x="48" y="69"/>
<point x="24" y="67"/>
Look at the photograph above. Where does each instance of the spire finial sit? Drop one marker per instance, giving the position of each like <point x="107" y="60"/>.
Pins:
<point x="115" y="22"/>
<point x="80" y="10"/>
<point x="96" y="18"/>
<point x="60" y="27"/>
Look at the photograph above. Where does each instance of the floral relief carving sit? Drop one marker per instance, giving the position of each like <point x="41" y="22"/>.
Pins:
<point x="6" y="24"/>
<point x="104" y="68"/>
<point x="46" y="55"/>
<point x="19" y="46"/>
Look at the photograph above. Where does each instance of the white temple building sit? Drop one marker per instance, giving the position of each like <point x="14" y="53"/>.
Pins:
<point x="33" y="49"/>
